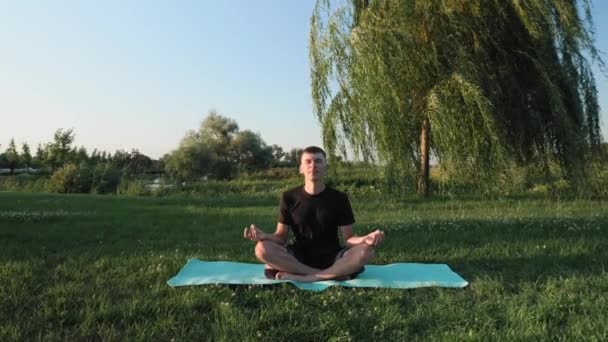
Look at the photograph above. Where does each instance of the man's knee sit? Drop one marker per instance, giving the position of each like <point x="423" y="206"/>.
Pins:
<point x="365" y="254"/>
<point x="263" y="249"/>
<point x="362" y="254"/>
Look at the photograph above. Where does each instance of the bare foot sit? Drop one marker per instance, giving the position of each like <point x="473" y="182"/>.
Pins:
<point x="303" y="278"/>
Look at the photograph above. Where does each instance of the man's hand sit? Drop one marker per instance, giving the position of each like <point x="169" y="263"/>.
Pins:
<point x="374" y="238"/>
<point x="254" y="233"/>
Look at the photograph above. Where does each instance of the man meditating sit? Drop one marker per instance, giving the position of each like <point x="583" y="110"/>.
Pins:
<point x="315" y="213"/>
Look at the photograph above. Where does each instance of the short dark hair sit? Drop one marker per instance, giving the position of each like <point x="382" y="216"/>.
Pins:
<point x="313" y="150"/>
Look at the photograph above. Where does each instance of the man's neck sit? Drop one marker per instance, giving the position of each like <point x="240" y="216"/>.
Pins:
<point x="314" y="188"/>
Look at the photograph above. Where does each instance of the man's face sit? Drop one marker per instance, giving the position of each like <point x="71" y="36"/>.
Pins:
<point x="313" y="166"/>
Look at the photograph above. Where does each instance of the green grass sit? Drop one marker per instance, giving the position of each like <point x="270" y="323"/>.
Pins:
<point x="82" y="267"/>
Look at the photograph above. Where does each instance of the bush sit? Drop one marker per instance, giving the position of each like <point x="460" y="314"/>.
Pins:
<point x="275" y="173"/>
<point x="106" y="178"/>
<point x="23" y="182"/>
<point x="132" y="188"/>
<point x="597" y="182"/>
<point x="71" y="178"/>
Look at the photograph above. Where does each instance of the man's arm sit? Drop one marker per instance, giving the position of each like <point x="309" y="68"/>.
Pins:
<point x="373" y="239"/>
<point x="280" y="234"/>
<point x="254" y="233"/>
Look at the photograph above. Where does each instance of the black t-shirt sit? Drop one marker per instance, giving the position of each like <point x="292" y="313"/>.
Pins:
<point x="314" y="220"/>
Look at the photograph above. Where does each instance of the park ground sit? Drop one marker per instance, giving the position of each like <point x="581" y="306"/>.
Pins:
<point x="94" y="267"/>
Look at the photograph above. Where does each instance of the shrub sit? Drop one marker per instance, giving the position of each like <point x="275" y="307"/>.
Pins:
<point x="23" y="182"/>
<point x="132" y="188"/>
<point x="71" y="178"/>
<point x="105" y="178"/>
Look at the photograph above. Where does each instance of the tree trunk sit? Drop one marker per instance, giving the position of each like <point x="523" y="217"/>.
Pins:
<point x="423" y="177"/>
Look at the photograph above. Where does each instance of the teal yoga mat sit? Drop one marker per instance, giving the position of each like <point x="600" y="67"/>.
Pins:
<point x="401" y="276"/>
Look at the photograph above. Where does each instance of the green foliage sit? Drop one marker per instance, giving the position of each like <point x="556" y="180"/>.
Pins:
<point x="282" y="158"/>
<point x="275" y="173"/>
<point x="71" y="178"/>
<point x="38" y="159"/>
<point x="292" y="158"/>
<point x="26" y="156"/>
<point x="357" y="179"/>
<point x="218" y="150"/>
<point x="235" y="187"/>
<point x="12" y="156"/>
<point x="131" y="163"/>
<point x="3" y="161"/>
<point x="24" y="183"/>
<point x="105" y="178"/>
<point x="599" y="183"/>
<point x="190" y="160"/>
<point x="132" y="188"/>
<point x="497" y="81"/>
<point x="249" y="152"/>
<point x="58" y="153"/>
<point x="105" y="169"/>
<point x="596" y="184"/>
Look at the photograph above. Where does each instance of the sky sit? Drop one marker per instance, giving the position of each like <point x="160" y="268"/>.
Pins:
<point x="136" y="74"/>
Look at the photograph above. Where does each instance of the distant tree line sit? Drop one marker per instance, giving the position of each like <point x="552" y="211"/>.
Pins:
<point x="218" y="150"/>
<point x="56" y="154"/>
<point x="73" y="169"/>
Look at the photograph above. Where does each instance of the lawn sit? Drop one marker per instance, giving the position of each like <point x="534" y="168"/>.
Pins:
<point x="95" y="267"/>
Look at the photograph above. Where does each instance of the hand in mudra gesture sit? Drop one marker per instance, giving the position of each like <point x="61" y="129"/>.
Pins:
<point x="254" y="233"/>
<point x="374" y="238"/>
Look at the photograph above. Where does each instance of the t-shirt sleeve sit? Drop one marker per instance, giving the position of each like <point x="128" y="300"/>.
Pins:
<point x="284" y="211"/>
<point x="346" y="216"/>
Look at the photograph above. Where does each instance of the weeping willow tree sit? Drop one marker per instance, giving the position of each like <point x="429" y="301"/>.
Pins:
<point x="477" y="83"/>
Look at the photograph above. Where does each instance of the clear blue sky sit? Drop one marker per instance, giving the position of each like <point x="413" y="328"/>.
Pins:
<point x="139" y="74"/>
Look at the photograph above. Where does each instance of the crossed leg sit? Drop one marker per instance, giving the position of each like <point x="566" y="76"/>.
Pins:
<point x="277" y="257"/>
<point x="352" y="261"/>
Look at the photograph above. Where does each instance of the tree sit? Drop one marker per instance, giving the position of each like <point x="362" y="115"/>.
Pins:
<point x="216" y="133"/>
<point x="120" y="159"/>
<point x="80" y="155"/>
<point x="190" y="160"/>
<point x="292" y="158"/>
<point x="12" y="156"/>
<point x="132" y="163"/>
<point x="39" y="158"/>
<point x="218" y="129"/>
<point x="3" y="161"/>
<point x="94" y="157"/>
<point x="104" y="156"/>
<point x="26" y="156"/>
<point x="278" y="155"/>
<point x="478" y="82"/>
<point x="58" y="153"/>
<point x="217" y="150"/>
<point x="139" y="163"/>
<point x="249" y="152"/>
